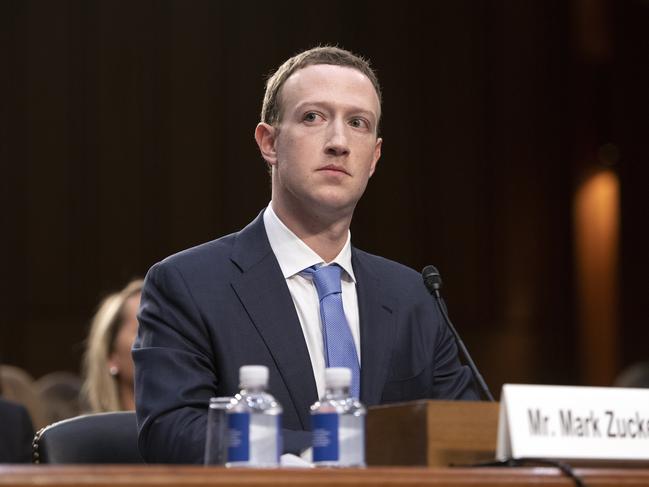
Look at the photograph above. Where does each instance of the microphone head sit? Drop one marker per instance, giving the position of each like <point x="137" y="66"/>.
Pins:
<point x="432" y="279"/>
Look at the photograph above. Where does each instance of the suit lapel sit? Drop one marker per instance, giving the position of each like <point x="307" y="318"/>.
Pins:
<point x="263" y="292"/>
<point x="377" y="312"/>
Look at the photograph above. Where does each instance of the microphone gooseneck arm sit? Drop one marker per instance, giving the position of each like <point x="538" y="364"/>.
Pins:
<point x="433" y="282"/>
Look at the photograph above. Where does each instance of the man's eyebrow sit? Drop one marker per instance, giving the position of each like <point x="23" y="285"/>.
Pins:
<point x="348" y="108"/>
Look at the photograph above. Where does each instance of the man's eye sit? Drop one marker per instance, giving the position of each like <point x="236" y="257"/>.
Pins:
<point x="310" y="117"/>
<point x="359" y="123"/>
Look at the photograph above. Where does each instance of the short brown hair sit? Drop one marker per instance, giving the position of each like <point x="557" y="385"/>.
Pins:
<point x="270" y="110"/>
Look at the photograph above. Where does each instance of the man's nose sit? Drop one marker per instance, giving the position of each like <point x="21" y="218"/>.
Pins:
<point x="337" y="144"/>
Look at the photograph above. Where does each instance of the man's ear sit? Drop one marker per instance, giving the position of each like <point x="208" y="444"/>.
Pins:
<point x="377" y="155"/>
<point x="265" y="137"/>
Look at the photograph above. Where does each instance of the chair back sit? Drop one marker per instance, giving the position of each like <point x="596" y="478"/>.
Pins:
<point x="60" y="394"/>
<point x="91" y="438"/>
<point x="18" y="386"/>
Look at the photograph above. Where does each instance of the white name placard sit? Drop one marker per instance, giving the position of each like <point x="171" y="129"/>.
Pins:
<point x="585" y="423"/>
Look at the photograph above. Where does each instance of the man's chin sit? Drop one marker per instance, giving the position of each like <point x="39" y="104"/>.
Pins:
<point x="333" y="198"/>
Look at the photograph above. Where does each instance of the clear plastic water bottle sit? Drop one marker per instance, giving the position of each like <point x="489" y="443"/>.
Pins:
<point x="338" y="423"/>
<point x="254" y="422"/>
<point x="216" y="437"/>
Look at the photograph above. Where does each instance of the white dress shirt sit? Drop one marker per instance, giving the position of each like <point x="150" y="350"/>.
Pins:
<point x="294" y="256"/>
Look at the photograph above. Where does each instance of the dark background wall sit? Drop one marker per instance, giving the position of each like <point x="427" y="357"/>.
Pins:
<point x="126" y="134"/>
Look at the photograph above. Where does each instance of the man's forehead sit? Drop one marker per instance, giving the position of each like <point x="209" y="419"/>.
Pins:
<point x="329" y="80"/>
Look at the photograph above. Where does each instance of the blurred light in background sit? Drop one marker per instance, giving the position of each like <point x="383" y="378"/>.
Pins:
<point x="597" y="228"/>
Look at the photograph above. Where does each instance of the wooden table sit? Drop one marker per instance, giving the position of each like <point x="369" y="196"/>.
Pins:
<point x="185" y="476"/>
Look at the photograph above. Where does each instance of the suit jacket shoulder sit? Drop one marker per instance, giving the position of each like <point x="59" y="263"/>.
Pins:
<point x="204" y="313"/>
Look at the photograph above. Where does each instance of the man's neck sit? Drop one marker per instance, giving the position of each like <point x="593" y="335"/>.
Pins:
<point x="325" y="234"/>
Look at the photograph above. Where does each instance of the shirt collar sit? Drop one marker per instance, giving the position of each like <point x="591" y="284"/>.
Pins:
<point x="293" y="254"/>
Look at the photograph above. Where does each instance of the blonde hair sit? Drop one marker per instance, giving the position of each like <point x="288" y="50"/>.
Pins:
<point x="100" y="388"/>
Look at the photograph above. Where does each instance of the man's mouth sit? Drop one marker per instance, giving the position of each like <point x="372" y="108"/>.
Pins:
<point x="335" y="168"/>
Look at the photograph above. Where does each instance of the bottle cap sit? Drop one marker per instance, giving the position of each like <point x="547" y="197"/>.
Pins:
<point x="338" y="377"/>
<point x="253" y="376"/>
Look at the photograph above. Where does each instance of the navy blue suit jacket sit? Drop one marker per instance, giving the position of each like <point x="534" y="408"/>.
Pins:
<point x="209" y="310"/>
<point x="16" y="433"/>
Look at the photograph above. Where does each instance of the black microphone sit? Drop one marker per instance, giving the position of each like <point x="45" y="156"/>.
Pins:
<point x="433" y="282"/>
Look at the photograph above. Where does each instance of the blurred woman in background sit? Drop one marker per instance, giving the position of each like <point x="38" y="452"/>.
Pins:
<point x="107" y="363"/>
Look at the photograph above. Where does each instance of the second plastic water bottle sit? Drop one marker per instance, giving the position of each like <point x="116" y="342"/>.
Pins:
<point x="338" y="422"/>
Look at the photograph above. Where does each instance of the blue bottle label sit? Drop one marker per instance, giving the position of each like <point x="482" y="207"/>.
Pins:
<point x="239" y="437"/>
<point x="325" y="437"/>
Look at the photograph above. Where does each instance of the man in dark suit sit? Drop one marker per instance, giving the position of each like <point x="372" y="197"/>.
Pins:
<point x="252" y="298"/>
<point x="16" y="433"/>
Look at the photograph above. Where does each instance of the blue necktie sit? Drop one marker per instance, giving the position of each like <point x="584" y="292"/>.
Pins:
<point x="340" y="350"/>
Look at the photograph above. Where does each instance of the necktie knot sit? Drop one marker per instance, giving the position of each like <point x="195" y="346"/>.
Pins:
<point x="326" y="279"/>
